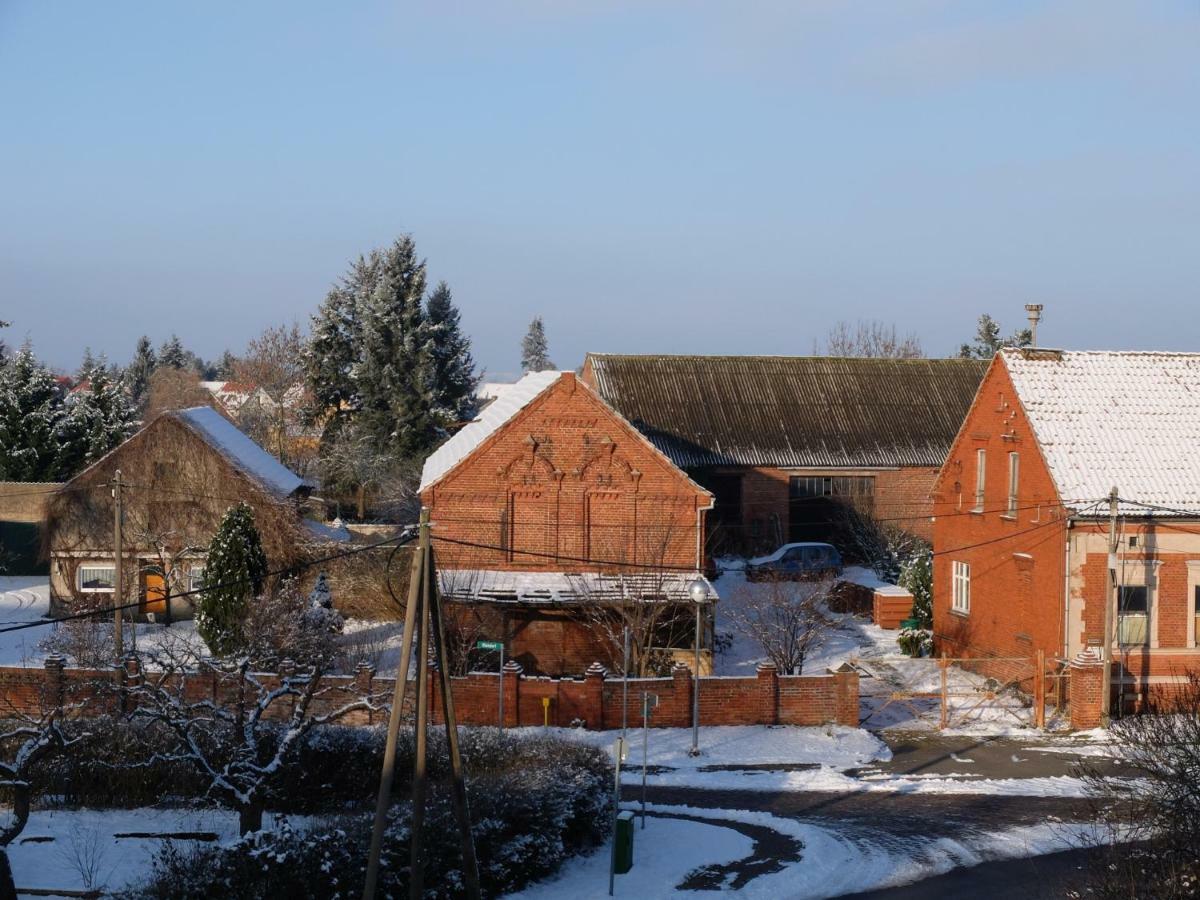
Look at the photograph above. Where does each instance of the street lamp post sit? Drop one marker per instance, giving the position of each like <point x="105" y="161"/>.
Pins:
<point x="698" y="591"/>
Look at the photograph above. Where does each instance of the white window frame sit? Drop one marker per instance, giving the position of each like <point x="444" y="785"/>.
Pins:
<point x="1014" y="480"/>
<point x="980" y="478"/>
<point x="94" y="590"/>
<point x="960" y="584"/>
<point x="194" y="575"/>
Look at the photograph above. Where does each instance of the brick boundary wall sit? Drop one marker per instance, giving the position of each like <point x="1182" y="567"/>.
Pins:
<point x="766" y="698"/>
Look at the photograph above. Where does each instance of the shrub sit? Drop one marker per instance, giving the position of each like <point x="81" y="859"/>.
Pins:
<point x="915" y="642"/>
<point x="916" y="577"/>
<point x="534" y="803"/>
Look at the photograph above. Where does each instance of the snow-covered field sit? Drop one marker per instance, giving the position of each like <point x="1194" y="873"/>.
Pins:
<point x="830" y="865"/>
<point x="836" y="746"/>
<point x="82" y="849"/>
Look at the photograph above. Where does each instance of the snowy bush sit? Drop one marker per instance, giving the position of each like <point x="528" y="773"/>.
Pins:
<point x="534" y="803"/>
<point x="234" y="571"/>
<point x="916" y="577"/>
<point x="915" y="642"/>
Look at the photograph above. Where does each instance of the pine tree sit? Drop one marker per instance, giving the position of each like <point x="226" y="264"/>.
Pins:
<point x="452" y="369"/>
<point x="988" y="340"/>
<point x="86" y="365"/>
<point x="226" y="366"/>
<point x="368" y="359"/>
<point x="236" y="568"/>
<point x="172" y="354"/>
<point x="392" y="375"/>
<point x="94" y="422"/>
<point x="3" y="346"/>
<point x="137" y="374"/>
<point x="31" y="407"/>
<point x="535" y="352"/>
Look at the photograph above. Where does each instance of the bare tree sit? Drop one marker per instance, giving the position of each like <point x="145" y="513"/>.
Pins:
<point x="872" y="339"/>
<point x="26" y="740"/>
<point x="1151" y="810"/>
<point x="351" y="464"/>
<point x="786" y="618"/>
<point x="174" y="389"/>
<point x="274" y="363"/>
<point x="240" y="741"/>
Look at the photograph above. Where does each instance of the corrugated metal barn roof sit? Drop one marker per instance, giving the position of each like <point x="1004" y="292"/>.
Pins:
<point x="802" y="411"/>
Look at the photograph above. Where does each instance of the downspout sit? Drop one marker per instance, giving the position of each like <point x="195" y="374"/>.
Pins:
<point x="1067" y="594"/>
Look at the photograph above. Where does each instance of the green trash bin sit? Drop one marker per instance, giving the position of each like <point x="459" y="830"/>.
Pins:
<point x="911" y="623"/>
<point x="624" y="838"/>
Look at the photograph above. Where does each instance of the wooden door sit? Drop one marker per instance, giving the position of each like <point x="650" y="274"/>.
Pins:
<point x="154" y="593"/>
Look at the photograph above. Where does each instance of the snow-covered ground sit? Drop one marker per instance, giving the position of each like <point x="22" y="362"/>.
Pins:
<point x="23" y="599"/>
<point x="835" y="747"/>
<point x="68" y="848"/>
<point x="829" y="865"/>
<point x="884" y="670"/>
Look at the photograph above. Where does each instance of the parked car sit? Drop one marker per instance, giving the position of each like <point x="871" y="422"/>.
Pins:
<point x="796" y="562"/>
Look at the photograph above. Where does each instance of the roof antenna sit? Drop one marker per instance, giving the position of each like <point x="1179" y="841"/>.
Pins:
<point x="1034" y="311"/>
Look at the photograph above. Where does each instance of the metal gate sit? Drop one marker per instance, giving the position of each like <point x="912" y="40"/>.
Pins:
<point x="957" y="692"/>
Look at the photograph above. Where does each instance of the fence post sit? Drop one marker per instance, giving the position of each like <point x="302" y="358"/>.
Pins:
<point x="1039" y="690"/>
<point x="768" y="693"/>
<point x="53" y="696"/>
<point x="512" y="693"/>
<point x="364" y="674"/>
<point x="593" y="681"/>
<point x="944" y="665"/>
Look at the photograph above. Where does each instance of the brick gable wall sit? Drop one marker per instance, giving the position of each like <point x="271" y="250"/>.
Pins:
<point x="564" y="480"/>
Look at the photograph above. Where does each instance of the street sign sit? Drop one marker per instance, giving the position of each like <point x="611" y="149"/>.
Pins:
<point x="489" y="645"/>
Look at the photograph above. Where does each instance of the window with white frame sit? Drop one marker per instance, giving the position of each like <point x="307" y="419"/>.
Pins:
<point x="195" y="578"/>
<point x="96" y="578"/>
<point x="1014" y="476"/>
<point x="961" y="589"/>
<point x="1133" y="615"/>
<point x="980" y="478"/>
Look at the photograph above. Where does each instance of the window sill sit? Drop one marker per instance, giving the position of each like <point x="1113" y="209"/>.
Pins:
<point x="961" y="613"/>
<point x="1009" y="517"/>
<point x="976" y="512"/>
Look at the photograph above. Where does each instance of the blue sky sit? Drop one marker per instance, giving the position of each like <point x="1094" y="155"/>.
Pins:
<point x="648" y="176"/>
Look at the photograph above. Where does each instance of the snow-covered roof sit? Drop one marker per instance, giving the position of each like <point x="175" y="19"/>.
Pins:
<point x="220" y="434"/>
<point x="508" y="402"/>
<point x="1107" y="418"/>
<point x="334" y="532"/>
<point x="567" y="587"/>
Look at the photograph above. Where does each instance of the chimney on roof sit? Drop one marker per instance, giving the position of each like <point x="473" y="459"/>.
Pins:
<point x="1034" y="311"/>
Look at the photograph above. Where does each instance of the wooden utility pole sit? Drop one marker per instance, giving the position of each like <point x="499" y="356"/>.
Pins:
<point x="423" y="611"/>
<point x="1110" y="599"/>
<point x="118" y="568"/>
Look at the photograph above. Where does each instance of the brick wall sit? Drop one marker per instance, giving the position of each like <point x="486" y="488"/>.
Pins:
<point x="566" y="479"/>
<point x="1016" y="559"/>
<point x="595" y="700"/>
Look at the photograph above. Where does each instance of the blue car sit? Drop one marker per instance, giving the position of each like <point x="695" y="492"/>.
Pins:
<point x="796" y="562"/>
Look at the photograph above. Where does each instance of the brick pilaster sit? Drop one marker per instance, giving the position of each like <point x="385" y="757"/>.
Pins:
<point x="1087" y="688"/>
<point x="512" y="693"/>
<point x="593" y="682"/>
<point x="55" y="690"/>
<point x="768" y="693"/>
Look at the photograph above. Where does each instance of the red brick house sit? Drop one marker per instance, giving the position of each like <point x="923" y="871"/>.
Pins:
<point x="1021" y="533"/>
<point x="786" y="442"/>
<point x="550" y="505"/>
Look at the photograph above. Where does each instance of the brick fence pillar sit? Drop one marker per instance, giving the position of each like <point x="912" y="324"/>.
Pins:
<point x="55" y="690"/>
<point x="593" y="696"/>
<point x="845" y="680"/>
<point x="682" y="695"/>
<point x="1087" y="686"/>
<point x="768" y="693"/>
<point x="364" y="675"/>
<point x="512" y="693"/>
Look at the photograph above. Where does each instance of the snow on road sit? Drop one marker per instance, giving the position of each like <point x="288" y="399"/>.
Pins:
<point x="830" y="864"/>
<point x="23" y="599"/>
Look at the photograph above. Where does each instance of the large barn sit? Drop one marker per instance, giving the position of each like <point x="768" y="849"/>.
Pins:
<point x="786" y="442"/>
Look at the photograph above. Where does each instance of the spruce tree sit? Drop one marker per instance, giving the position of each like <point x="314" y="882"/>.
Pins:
<point x="225" y="366"/>
<point x="988" y="340"/>
<point x="137" y="375"/>
<point x="236" y="569"/>
<point x="392" y="375"/>
<point x="452" y="369"/>
<point x="3" y="346"/>
<point x="94" y="422"/>
<point x="172" y="354"/>
<point x="535" y="352"/>
<point x="86" y="365"/>
<point x="31" y="407"/>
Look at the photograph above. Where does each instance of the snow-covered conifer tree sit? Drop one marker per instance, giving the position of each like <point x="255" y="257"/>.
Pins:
<point x="234" y="572"/>
<point x="30" y="410"/>
<point x="172" y="354"/>
<point x="535" y="351"/>
<point x="94" y="421"/>
<point x="137" y="374"/>
<point x="452" y="369"/>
